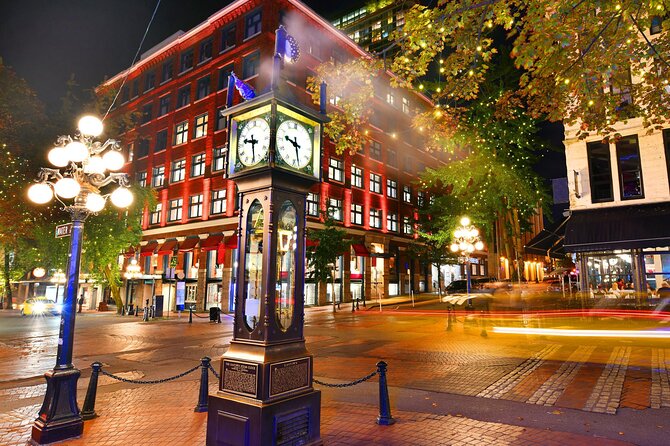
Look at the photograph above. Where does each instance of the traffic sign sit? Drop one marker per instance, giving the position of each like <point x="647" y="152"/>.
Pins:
<point x="64" y="230"/>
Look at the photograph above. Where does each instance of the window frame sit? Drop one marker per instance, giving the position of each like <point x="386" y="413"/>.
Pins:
<point x="158" y="173"/>
<point x="178" y="170"/>
<point x="356" y="214"/>
<point x="183" y="100"/>
<point x="164" y="105"/>
<point x="225" y="34"/>
<point x="202" y="87"/>
<point x="250" y="19"/>
<point x="155" y="216"/>
<point x="195" y="202"/>
<point x="392" y="222"/>
<point x="391" y="188"/>
<point x="198" y="162"/>
<point x="375" y="183"/>
<point x="219" y="156"/>
<point x="186" y="57"/>
<point x="618" y="147"/>
<point x="176" y="211"/>
<point x="218" y="202"/>
<point x="357" y="176"/>
<point x="335" y="169"/>
<point x="375" y="221"/>
<point x="180" y="133"/>
<point x="205" y="49"/>
<point x="200" y="126"/>
<point x="254" y="57"/>
<point x="161" y="137"/>
<point x="375" y="150"/>
<point x="335" y="204"/>
<point x="312" y="204"/>
<point x="590" y="159"/>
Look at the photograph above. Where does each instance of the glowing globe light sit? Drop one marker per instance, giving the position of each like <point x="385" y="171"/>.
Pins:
<point x="67" y="188"/>
<point x="465" y="221"/>
<point x="122" y="197"/>
<point x="39" y="272"/>
<point x="454" y="247"/>
<point x="76" y="151"/>
<point x="95" y="164"/>
<point x="479" y="246"/>
<point x="95" y="202"/>
<point x="90" y="126"/>
<point x="58" y="156"/>
<point x="40" y="193"/>
<point x="113" y="160"/>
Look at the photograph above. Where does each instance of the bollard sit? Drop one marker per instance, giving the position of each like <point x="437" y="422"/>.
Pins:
<point x="88" y="411"/>
<point x="145" y="318"/>
<point x="137" y="310"/>
<point x="384" y="417"/>
<point x="190" y="315"/>
<point x="204" y="386"/>
<point x="123" y="310"/>
<point x="483" y="333"/>
<point x="353" y="305"/>
<point x="449" y="311"/>
<point x="357" y="303"/>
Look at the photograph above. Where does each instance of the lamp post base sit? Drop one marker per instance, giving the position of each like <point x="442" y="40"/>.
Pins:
<point x="59" y="417"/>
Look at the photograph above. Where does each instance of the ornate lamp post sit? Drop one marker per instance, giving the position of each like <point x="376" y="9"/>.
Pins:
<point x="80" y="175"/>
<point x="466" y="241"/>
<point x="133" y="272"/>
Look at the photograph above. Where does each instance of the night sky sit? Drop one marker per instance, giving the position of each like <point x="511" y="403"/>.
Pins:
<point x="45" y="41"/>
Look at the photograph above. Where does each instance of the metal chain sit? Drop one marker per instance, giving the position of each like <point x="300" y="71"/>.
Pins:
<point x="201" y="317"/>
<point x="155" y="381"/>
<point x="353" y="383"/>
<point x="214" y="371"/>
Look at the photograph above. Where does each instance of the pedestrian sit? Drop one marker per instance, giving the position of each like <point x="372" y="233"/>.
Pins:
<point x="664" y="290"/>
<point x="81" y="302"/>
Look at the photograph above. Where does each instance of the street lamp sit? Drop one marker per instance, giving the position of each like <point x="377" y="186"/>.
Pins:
<point x="133" y="271"/>
<point x="467" y="241"/>
<point x="81" y="164"/>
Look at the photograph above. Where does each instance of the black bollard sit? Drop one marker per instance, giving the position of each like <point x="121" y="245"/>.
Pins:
<point x="190" y="315"/>
<point x="88" y="411"/>
<point x="353" y="305"/>
<point x="204" y="385"/>
<point x="384" y="417"/>
<point x="137" y="310"/>
<point x="123" y="310"/>
<point x="357" y="303"/>
<point x="145" y="318"/>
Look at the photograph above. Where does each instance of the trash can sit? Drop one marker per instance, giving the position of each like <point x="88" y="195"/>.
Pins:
<point x="214" y="314"/>
<point x="158" y="305"/>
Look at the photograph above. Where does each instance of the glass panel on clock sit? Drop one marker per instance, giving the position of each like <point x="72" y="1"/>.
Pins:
<point x="286" y="244"/>
<point x="253" y="266"/>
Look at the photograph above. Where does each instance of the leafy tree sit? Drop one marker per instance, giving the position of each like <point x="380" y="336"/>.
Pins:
<point x="577" y="57"/>
<point x="330" y="244"/>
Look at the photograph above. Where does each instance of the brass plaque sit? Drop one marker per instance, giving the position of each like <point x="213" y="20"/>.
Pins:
<point x="288" y="376"/>
<point x="240" y="378"/>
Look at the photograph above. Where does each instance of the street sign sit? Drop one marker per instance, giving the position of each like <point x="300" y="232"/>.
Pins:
<point x="64" y="230"/>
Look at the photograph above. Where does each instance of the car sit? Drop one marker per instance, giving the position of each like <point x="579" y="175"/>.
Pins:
<point x="460" y="285"/>
<point x="38" y="306"/>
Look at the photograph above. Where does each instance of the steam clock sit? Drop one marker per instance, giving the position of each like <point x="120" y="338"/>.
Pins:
<point x="265" y="394"/>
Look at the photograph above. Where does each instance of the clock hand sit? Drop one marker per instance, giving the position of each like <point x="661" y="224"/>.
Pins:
<point x="253" y="142"/>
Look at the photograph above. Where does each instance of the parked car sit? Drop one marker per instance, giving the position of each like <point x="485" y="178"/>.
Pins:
<point x="37" y="306"/>
<point x="460" y="286"/>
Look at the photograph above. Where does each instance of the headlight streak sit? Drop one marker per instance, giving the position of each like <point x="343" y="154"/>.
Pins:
<point x="640" y="334"/>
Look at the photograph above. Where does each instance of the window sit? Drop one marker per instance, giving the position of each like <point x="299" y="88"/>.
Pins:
<point x="392" y="222"/>
<point x="158" y="176"/>
<point x="405" y="105"/>
<point x="251" y="65"/>
<point x="200" y="128"/>
<point x="630" y="171"/>
<point x="136" y="88"/>
<point x="376" y="218"/>
<point x="313" y="204"/>
<point x="181" y="133"/>
<point x="356" y="214"/>
<point x="198" y="165"/>
<point x="178" y="171"/>
<point x="220" y="119"/>
<point x="164" y="105"/>
<point x="205" y="50"/>
<point x="621" y="87"/>
<point x="376" y="150"/>
<point x="600" y="172"/>
<point x="124" y="95"/>
<point x="218" y="202"/>
<point x="656" y="25"/>
<point x="184" y="96"/>
<point x="420" y="198"/>
<point x="166" y="71"/>
<point x="218" y="159"/>
<point x="375" y="183"/>
<point x="407" y="226"/>
<point x="252" y="24"/>
<point x="161" y="141"/>
<point x="390" y="98"/>
<point x="335" y="100"/>
<point x="195" y="206"/>
<point x="407" y="194"/>
<point x="335" y="169"/>
<point x="146" y="113"/>
<point x="155" y="217"/>
<point x="392" y="188"/>
<point x="142" y="148"/>
<point x="175" y="209"/>
<point x="149" y="81"/>
<point x="202" y="88"/>
<point x="335" y="208"/>
<point x="408" y="164"/>
<point x="224" y="72"/>
<point x="186" y="61"/>
<point x="356" y="176"/>
<point x="228" y="37"/>
<point x="141" y="178"/>
<point x="130" y="149"/>
<point x="391" y="158"/>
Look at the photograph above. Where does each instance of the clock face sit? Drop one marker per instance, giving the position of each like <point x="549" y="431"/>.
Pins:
<point x="294" y="143"/>
<point x="253" y="142"/>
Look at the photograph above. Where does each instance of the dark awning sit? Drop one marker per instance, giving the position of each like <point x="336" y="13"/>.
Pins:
<point x="549" y="242"/>
<point x="189" y="244"/>
<point x="167" y="247"/>
<point x="312" y="243"/>
<point x="148" y="249"/>
<point x="621" y="227"/>
<point x="360" y="250"/>
<point x="212" y="242"/>
<point x="130" y="252"/>
<point x="231" y="242"/>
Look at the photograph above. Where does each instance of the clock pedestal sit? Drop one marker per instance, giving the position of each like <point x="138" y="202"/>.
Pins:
<point x="265" y="394"/>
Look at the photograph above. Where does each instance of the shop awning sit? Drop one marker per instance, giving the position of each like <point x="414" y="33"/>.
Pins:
<point x="167" y="247"/>
<point x="148" y="249"/>
<point x="549" y="242"/>
<point x="621" y="227"/>
<point x="360" y="250"/>
<point x="212" y="242"/>
<point x="189" y="244"/>
<point x="231" y="242"/>
<point x="130" y="252"/>
<point x="312" y="243"/>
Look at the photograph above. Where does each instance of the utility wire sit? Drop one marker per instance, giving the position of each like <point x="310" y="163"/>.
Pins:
<point x="132" y="63"/>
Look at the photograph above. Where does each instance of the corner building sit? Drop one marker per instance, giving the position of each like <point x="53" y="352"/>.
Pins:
<point x="178" y="146"/>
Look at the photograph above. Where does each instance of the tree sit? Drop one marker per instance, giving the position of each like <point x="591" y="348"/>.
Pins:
<point x="330" y="243"/>
<point x="577" y="57"/>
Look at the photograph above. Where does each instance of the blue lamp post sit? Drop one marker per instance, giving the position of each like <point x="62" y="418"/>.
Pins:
<point x="81" y="174"/>
<point x="467" y="241"/>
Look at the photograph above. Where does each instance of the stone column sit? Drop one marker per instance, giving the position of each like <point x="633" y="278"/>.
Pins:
<point x="346" y="277"/>
<point x="202" y="280"/>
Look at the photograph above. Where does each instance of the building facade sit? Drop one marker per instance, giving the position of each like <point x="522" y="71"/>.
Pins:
<point x="178" y="146"/>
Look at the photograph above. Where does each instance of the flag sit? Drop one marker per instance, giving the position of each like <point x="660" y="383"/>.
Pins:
<point x="246" y="91"/>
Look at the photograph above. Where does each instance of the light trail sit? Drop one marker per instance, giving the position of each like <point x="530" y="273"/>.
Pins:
<point x="639" y="334"/>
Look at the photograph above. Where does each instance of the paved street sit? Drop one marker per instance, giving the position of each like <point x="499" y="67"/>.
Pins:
<point x="454" y="387"/>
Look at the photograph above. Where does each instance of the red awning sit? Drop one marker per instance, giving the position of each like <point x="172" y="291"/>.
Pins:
<point x="212" y="242"/>
<point x="360" y="250"/>
<point x="130" y="252"/>
<point x="168" y="247"/>
<point x="231" y="242"/>
<point x="148" y="249"/>
<point x="220" y="253"/>
<point x="312" y="243"/>
<point x="189" y="244"/>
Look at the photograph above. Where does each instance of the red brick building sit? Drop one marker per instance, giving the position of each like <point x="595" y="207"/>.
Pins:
<point x="179" y="147"/>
